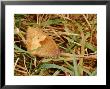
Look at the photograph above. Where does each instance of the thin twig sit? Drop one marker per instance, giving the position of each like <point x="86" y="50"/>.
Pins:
<point x="87" y="20"/>
<point x="18" y="66"/>
<point x="21" y="71"/>
<point x="80" y="56"/>
<point x="35" y="62"/>
<point x="16" y="62"/>
<point x="57" y="35"/>
<point x="37" y="18"/>
<point x="25" y="65"/>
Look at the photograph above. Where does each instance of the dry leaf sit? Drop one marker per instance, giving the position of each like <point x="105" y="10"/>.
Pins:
<point x="40" y="44"/>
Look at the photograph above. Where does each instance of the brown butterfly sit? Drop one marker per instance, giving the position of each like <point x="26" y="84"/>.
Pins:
<point x="40" y="44"/>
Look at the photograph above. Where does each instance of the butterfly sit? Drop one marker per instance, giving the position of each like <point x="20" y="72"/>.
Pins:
<point x="40" y="44"/>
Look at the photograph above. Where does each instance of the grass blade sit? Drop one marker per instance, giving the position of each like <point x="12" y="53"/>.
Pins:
<point x="47" y="66"/>
<point x="20" y="50"/>
<point x="90" y="46"/>
<point x="94" y="73"/>
<point x="75" y="66"/>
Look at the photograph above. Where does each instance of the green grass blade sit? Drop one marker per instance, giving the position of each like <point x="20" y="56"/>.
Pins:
<point x="47" y="66"/>
<point x="75" y="66"/>
<point x="87" y="71"/>
<point x="94" y="73"/>
<point x="90" y="46"/>
<point x="20" y="50"/>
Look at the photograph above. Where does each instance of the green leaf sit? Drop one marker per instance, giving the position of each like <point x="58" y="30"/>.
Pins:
<point x="90" y="46"/>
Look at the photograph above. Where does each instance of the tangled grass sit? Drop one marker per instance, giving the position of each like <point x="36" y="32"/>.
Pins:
<point x="75" y="35"/>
